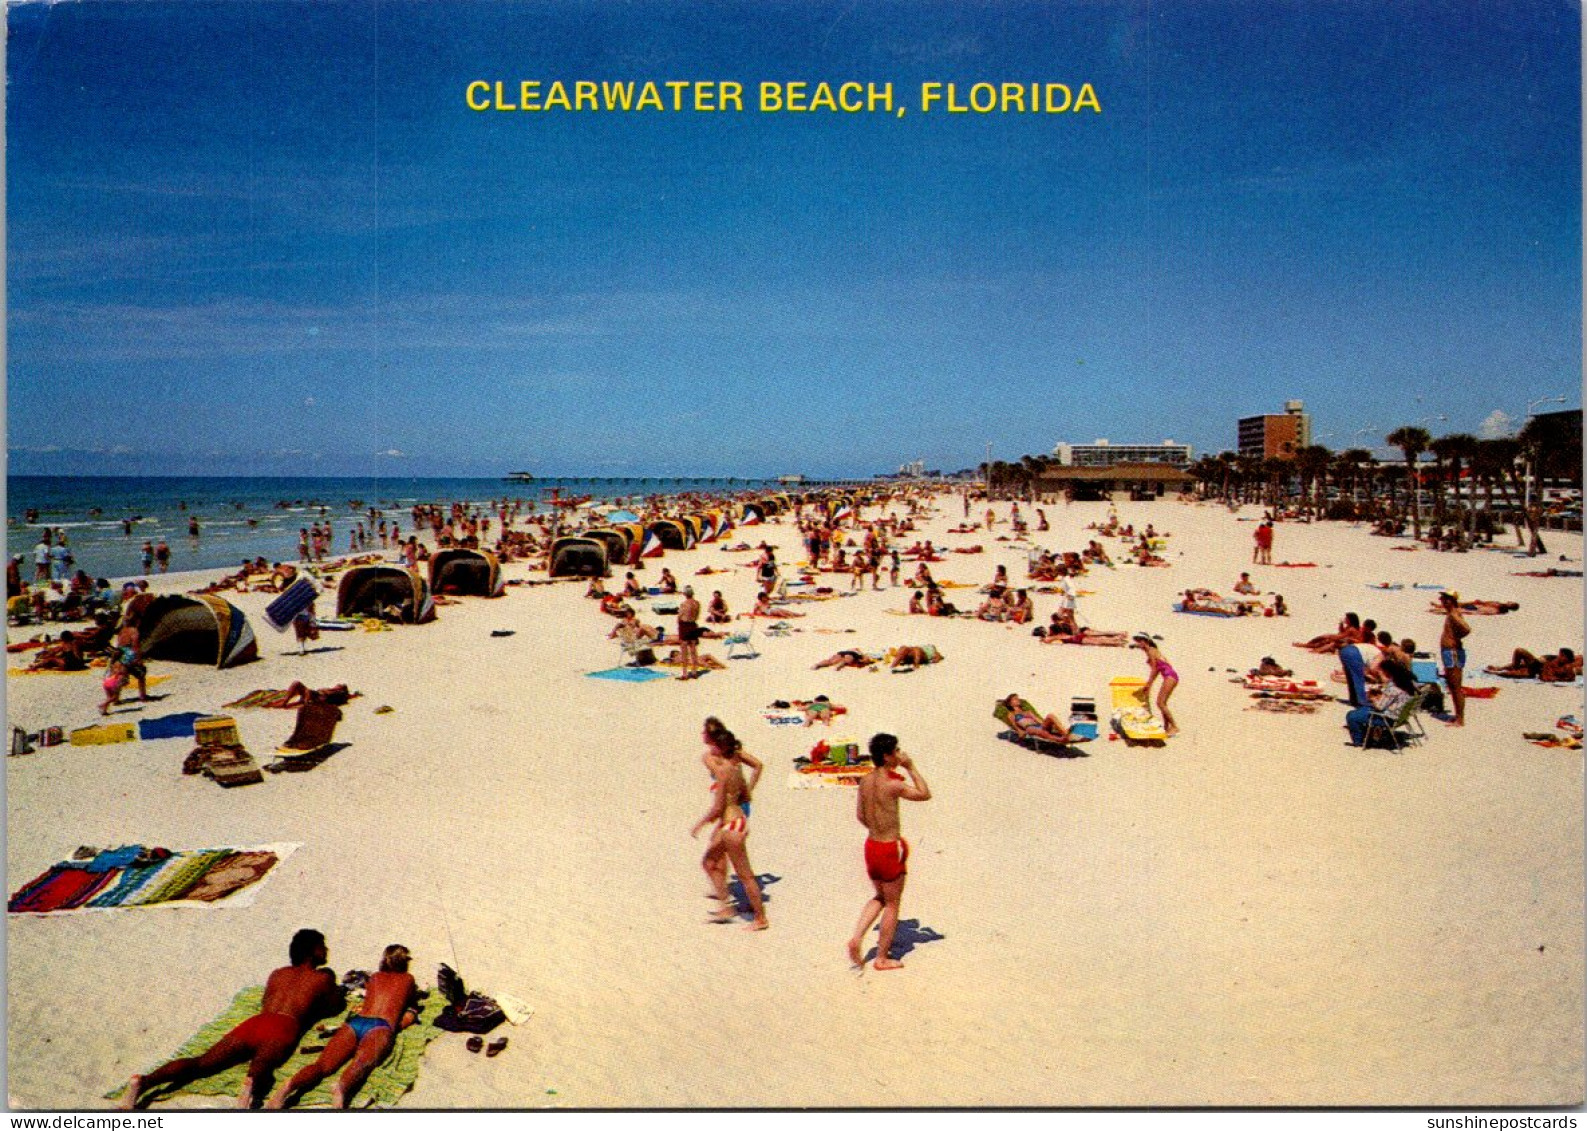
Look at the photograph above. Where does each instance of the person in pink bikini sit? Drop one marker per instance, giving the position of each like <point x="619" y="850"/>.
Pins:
<point x="1159" y="668"/>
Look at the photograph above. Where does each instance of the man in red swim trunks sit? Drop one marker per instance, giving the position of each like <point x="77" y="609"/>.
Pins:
<point x="295" y="997"/>
<point x="886" y="851"/>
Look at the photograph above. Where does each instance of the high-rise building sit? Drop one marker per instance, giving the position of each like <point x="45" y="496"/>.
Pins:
<point x="1105" y="453"/>
<point x="1275" y="435"/>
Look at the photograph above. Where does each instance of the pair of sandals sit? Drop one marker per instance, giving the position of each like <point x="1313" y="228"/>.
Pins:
<point x="475" y="1043"/>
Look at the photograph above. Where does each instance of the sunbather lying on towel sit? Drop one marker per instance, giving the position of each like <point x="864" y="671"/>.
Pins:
<point x="1093" y="636"/>
<point x="848" y="658"/>
<point x="298" y="693"/>
<point x="821" y="709"/>
<point x="65" y="655"/>
<point x="1028" y="724"/>
<point x="1480" y="608"/>
<point x="908" y="657"/>
<point x="294" y="997"/>
<point x="1563" y="667"/>
<point x="390" y="1005"/>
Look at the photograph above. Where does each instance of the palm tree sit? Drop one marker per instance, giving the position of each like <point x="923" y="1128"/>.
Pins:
<point x="1413" y="442"/>
<point x="1206" y="470"/>
<point x="1350" y="462"/>
<point x="1311" y="463"/>
<point x="1536" y="450"/>
<point x="1492" y="463"/>
<point x="1458" y="448"/>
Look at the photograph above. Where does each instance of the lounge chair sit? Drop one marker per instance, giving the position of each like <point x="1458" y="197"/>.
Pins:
<point x="314" y="730"/>
<point x="1032" y="742"/>
<point x="638" y="653"/>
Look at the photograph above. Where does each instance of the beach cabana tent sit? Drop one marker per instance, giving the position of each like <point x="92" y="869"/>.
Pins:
<point x="474" y="573"/>
<point x="694" y="527"/>
<point x="635" y="533"/>
<point x="670" y="533"/>
<point x="197" y="629"/>
<point x="367" y="589"/>
<point x="577" y="556"/>
<point x="752" y="514"/>
<point x="615" y="541"/>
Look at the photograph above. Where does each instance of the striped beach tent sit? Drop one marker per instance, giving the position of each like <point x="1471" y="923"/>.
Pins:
<point x="467" y="572"/>
<point x="197" y="629"/>
<point x="367" y="589"/>
<point x="652" y="547"/>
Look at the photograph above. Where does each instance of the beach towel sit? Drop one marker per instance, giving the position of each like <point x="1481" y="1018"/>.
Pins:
<point x="1132" y="718"/>
<point x="837" y="777"/>
<point x="114" y="880"/>
<point x="629" y="675"/>
<point x="103" y="734"/>
<point x="264" y="697"/>
<point x="1285" y="706"/>
<point x="294" y="599"/>
<point x="387" y="1084"/>
<point x="168" y="726"/>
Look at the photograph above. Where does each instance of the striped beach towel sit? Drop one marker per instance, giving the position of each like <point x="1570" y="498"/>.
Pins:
<point x="114" y="880"/>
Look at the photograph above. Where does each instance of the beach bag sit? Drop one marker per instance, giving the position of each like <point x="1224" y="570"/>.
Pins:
<point x="465" y="1012"/>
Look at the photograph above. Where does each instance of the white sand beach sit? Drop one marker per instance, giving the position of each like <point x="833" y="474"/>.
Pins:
<point x="1256" y="913"/>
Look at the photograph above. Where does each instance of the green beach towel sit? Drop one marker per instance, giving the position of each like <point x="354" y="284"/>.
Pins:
<point x="386" y="1085"/>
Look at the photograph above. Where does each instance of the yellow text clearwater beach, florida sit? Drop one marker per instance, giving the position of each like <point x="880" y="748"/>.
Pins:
<point x="712" y="96"/>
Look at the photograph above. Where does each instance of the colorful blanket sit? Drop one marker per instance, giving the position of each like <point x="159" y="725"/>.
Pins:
<point x="132" y="876"/>
<point x="387" y="1084"/>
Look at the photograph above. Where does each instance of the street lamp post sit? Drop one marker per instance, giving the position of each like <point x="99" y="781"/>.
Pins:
<point x="1370" y="429"/>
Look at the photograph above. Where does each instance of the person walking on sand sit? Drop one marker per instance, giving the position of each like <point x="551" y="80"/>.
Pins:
<point x="689" y="634"/>
<point x="294" y="997"/>
<point x="1158" y="667"/>
<point x="730" y="799"/>
<point x="1263" y="553"/>
<point x="1452" y="653"/>
<point x="390" y="1005"/>
<point x="886" y="850"/>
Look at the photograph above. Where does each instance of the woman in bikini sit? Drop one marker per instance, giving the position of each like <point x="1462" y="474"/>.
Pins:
<point x="1028" y="724"/>
<point x="725" y="758"/>
<point x="1159" y="668"/>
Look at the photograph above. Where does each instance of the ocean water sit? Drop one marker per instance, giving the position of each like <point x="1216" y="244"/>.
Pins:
<point x="244" y="518"/>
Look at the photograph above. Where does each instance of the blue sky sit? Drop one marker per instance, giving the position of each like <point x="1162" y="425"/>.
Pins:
<point x="265" y="237"/>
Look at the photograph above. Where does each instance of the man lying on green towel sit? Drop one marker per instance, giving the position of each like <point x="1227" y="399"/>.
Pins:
<point x="387" y="1081"/>
<point x="294" y="998"/>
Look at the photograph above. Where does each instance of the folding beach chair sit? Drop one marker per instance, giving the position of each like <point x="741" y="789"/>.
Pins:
<point x="1031" y="742"/>
<point x="1403" y="728"/>
<point x="741" y="645"/>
